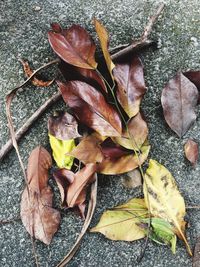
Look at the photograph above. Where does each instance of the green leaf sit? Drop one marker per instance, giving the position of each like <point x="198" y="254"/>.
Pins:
<point x="60" y="149"/>
<point x="121" y="223"/>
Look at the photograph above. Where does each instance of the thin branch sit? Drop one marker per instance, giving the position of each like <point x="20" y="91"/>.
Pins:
<point x="10" y="220"/>
<point x="193" y="207"/>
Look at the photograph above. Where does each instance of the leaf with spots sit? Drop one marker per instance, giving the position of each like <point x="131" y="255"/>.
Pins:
<point x="39" y="218"/>
<point x="179" y="99"/>
<point x="163" y="198"/>
<point x="191" y="149"/>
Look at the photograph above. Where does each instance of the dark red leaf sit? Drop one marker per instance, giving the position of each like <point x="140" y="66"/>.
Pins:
<point x="194" y="77"/>
<point x="179" y="99"/>
<point x="113" y="151"/>
<point x="63" y="126"/>
<point x="192" y="151"/>
<point x="90" y="107"/>
<point x="130" y="85"/>
<point x="74" y="46"/>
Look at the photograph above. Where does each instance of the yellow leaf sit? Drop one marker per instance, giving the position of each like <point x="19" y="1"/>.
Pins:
<point x="104" y="41"/>
<point x="121" y="222"/>
<point x="60" y="149"/>
<point x="163" y="198"/>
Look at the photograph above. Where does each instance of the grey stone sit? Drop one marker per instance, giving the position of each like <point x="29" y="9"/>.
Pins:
<point x="23" y="33"/>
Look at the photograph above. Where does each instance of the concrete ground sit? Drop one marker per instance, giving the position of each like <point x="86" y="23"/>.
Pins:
<point x="23" y="33"/>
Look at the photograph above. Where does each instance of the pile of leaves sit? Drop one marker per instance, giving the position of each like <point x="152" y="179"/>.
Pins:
<point x="104" y="131"/>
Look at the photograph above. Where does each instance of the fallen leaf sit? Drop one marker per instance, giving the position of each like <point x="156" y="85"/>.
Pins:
<point x="163" y="198"/>
<point x="104" y="41"/>
<point x="89" y="150"/>
<point x="191" y="149"/>
<point x="196" y="258"/>
<point x="179" y="99"/>
<point x="136" y="134"/>
<point x="113" y="151"/>
<point x="60" y="148"/>
<point x="132" y="179"/>
<point x="35" y="81"/>
<point x="37" y="214"/>
<point x="90" y="107"/>
<point x="123" y="164"/>
<point x="121" y="223"/>
<point x="74" y="46"/>
<point x="194" y="77"/>
<point x="130" y="85"/>
<point x="63" y="126"/>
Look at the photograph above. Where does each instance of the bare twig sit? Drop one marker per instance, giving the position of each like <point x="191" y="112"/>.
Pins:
<point x="193" y="207"/>
<point x="10" y="220"/>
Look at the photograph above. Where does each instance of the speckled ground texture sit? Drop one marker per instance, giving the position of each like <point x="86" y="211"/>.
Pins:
<point x="23" y="33"/>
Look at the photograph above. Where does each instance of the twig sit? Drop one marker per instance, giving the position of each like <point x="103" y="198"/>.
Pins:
<point x="193" y="207"/>
<point x="10" y="220"/>
<point x="8" y="146"/>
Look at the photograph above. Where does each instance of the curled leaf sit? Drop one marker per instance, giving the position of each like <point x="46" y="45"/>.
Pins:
<point x="35" y="81"/>
<point x="121" y="223"/>
<point x="37" y="214"/>
<point x="192" y="151"/>
<point x="60" y="149"/>
<point x="74" y="46"/>
<point x="90" y="107"/>
<point x="179" y="99"/>
<point x="163" y="198"/>
<point x="63" y="126"/>
<point x="130" y="85"/>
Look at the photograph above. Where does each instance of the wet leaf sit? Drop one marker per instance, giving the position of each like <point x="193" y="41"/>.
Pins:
<point x="179" y="99"/>
<point x="191" y="149"/>
<point x="37" y="214"/>
<point x="60" y="148"/>
<point x="163" y="198"/>
<point x="130" y="85"/>
<point x="74" y="46"/>
<point x="121" y="223"/>
<point x="63" y="126"/>
<point x="123" y="164"/>
<point x="90" y="107"/>
<point x="104" y="41"/>
<point x="35" y="81"/>
<point x="89" y="150"/>
<point x="135" y="136"/>
<point x="196" y="258"/>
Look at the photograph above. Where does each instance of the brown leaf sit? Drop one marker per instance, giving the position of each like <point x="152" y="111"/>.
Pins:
<point x="90" y="107"/>
<point x="130" y="85"/>
<point x="191" y="149"/>
<point x="179" y="99"/>
<point x="74" y="46"/>
<point x="63" y="126"/>
<point x="37" y="214"/>
<point x="194" y="77"/>
<point x="132" y="179"/>
<point x="72" y="73"/>
<point x="35" y="81"/>
<point x="196" y="258"/>
<point x="89" y="150"/>
<point x="113" y="151"/>
<point x="104" y="41"/>
<point x="135" y="136"/>
<point x="123" y="164"/>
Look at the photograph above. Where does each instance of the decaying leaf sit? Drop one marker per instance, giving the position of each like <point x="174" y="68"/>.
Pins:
<point x="63" y="126"/>
<point x="121" y="223"/>
<point x="37" y="214"/>
<point x="130" y="85"/>
<point x="136" y="134"/>
<point x="191" y="149"/>
<point x="60" y="149"/>
<point x="74" y="46"/>
<point x="90" y="107"/>
<point x="89" y="150"/>
<point x="132" y="179"/>
<point x="35" y="81"/>
<point x="179" y="99"/>
<point x="163" y="198"/>
<point x="123" y="164"/>
<point x="104" y="41"/>
<point x="196" y="258"/>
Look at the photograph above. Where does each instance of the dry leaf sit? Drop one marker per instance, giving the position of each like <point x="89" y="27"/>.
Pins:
<point x="132" y="179"/>
<point x="191" y="149"/>
<point x="194" y="77"/>
<point x="130" y="85"/>
<point x="37" y="214"/>
<point x="179" y="99"/>
<point x="35" y="81"/>
<point x="121" y="223"/>
<point x="90" y="107"/>
<point x="163" y="198"/>
<point x="74" y="46"/>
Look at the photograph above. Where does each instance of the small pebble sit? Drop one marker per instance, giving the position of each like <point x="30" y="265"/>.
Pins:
<point x="36" y="8"/>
